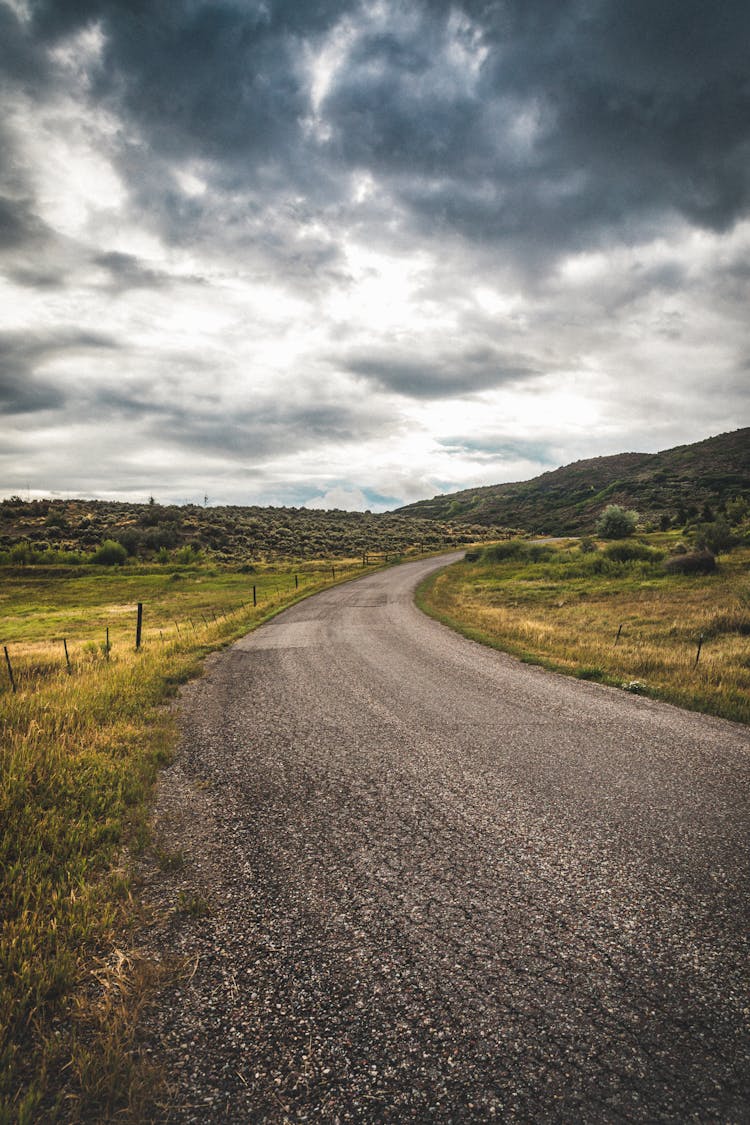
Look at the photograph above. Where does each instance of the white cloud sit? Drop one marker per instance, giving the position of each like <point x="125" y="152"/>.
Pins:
<point x="347" y="499"/>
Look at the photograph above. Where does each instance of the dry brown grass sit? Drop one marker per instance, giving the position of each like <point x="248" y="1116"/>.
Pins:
<point x="560" y="613"/>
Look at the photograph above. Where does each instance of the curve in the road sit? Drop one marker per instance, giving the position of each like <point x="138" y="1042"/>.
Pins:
<point x="448" y="886"/>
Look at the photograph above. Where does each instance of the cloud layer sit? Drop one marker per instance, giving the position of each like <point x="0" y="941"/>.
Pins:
<point x="321" y="252"/>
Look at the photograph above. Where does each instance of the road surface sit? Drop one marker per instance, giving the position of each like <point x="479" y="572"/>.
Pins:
<point x="446" y="886"/>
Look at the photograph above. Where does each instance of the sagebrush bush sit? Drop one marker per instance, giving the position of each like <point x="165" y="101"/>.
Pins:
<point x="616" y="522"/>
<point x="110" y="554"/>
<point x="695" y="562"/>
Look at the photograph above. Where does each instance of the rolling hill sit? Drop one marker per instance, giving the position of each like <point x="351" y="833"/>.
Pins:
<point x="677" y="484"/>
<point x="40" y="531"/>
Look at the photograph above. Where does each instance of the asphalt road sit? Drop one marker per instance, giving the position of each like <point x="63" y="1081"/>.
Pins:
<point x="447" y="886"/>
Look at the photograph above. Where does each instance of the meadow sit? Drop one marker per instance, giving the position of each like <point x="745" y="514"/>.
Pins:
<point x="83" y="739"/>
<point x="624" y="622"/>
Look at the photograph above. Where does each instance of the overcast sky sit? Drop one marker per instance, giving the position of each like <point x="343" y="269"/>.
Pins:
<point x="352" y="255"/>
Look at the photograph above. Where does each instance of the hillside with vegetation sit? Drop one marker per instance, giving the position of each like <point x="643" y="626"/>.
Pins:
<point x="60" y="531"/>
<point x="668" y="489"/>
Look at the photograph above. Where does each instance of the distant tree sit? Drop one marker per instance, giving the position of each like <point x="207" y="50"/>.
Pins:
<point x="616" y="522"/>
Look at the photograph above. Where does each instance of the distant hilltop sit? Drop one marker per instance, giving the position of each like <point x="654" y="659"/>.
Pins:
<point x="667" y="488"/>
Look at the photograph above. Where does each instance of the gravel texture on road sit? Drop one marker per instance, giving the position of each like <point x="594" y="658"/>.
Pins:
<point x="446" y="886"/>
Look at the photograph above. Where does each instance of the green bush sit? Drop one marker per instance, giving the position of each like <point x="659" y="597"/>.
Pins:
<point x="110" y="554"/>
<point x="616" y="522"/>
<point x="715" y="537"/>
<point x="632" y="552"/>
<point x="187" y="555"/>
<point x="501" y="552"/>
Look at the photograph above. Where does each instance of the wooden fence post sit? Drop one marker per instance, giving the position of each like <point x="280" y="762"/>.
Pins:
<point x="255" y="596"/>
<point x="139" y="626"/>
<point x="67" y="658"/>
<point x="700" y="646"/>
<point x="10" y="668"/>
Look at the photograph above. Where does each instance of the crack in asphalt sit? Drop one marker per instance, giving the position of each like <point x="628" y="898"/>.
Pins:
<point x="446" y="886"/>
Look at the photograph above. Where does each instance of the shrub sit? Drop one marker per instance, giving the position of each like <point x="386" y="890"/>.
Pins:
<point x="537" y="552"/>
<point x="110" y="554"/>
<point x="187" y="555"/>
<point x="131" y="540"/>
<point x="632" y="552"/>
<point x="715" y="537"/>
<point x="696" y="562"/>
<point x="21" y="554"/>
<point x="616" y="522"/>
<point x="500" y="552"/>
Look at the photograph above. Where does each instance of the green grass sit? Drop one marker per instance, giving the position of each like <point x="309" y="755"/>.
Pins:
<point x="80" y="753"/>
<point x="563" y="608"/>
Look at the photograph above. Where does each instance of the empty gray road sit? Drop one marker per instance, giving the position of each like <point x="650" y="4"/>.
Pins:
<point x="450" y="887"/>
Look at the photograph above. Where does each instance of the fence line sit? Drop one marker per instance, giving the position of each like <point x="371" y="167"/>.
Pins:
<point x="17" y="674"/>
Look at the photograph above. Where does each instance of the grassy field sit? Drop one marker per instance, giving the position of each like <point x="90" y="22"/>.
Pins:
<point x="563" y="608"/>
<point x="81" y="748"/>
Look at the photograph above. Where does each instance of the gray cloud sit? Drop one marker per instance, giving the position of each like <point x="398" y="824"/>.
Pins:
<point x="127" y="272"/>
<point x="447" y="375"/>
<point x="23" y="390"/>
<point x="181" y="414"/>
<point x="580" y="123"/>
<point x="270" y="428"/>
<point x="19" y="225"/>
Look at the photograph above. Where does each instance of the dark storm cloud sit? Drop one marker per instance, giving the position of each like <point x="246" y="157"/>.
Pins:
<point x="443" y="376"/>
<point x="23" y="390"/>
<point x="580" y="122"/>
<point x="218" y="80"/>
<point x="21" y="62"/>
